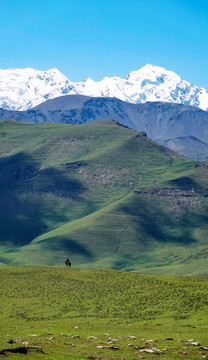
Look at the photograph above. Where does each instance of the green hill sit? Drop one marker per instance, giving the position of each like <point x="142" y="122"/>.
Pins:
<point x="102" y="194"/>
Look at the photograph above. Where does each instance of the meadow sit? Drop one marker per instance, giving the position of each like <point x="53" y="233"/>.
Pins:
<point x="62" y="313"/>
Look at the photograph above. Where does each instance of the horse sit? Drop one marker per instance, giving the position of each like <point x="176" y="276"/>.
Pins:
<point x="68" y="263"/>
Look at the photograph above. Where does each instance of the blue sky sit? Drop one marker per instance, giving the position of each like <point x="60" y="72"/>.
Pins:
<point x="99" y="38"/>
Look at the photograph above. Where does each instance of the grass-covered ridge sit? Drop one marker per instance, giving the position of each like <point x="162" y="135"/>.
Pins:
<point x="57" y="313"/>
<point x="102" y="194"/>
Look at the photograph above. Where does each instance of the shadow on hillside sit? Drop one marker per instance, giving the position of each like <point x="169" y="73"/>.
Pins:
<point x="156" y="221"/>
<point x="58" y="243"/>
<point x="32" y="199"/>
<point x="184" y="183"/>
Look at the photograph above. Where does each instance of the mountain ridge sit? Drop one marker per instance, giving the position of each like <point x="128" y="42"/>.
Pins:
<point x="163" y="122"/>
<point x="23" y="89"/>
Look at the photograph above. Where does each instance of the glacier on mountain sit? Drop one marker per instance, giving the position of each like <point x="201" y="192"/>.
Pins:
<point x="22" y="89"/>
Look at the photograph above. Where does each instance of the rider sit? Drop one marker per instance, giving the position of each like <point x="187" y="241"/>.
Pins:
<point x="68" y="262"/>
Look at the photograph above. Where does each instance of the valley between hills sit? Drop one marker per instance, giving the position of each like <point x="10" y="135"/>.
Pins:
<point x="102" y="194"/>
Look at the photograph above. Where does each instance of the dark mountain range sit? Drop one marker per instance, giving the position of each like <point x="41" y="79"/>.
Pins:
<point x="182" y="128"/>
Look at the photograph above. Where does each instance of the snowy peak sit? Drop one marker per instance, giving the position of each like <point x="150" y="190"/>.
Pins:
<point x="22" y="89"/>
<point x="152" y="72"/>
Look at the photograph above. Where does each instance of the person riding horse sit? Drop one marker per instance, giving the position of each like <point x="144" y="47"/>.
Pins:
<point x="68" y="262"/>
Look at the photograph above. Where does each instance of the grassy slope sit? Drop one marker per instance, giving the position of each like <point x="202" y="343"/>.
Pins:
<point x="43" y="305"/>
<point x="102" y="194"/>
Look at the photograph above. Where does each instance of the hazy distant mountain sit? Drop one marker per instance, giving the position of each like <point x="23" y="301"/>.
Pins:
<point x="22" y="89"/>
<point x="180" y="127"/>
<point x="189" y="146"/>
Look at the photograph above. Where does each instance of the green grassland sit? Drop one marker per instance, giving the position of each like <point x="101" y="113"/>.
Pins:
<point x="59" y="313"/>
<point x="102" y="194"/>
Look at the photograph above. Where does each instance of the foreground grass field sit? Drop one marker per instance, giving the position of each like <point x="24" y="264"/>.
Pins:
<point x="59" y="313"/>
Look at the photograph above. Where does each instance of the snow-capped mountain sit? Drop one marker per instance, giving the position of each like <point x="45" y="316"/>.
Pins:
<point x="22" y="89"/>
